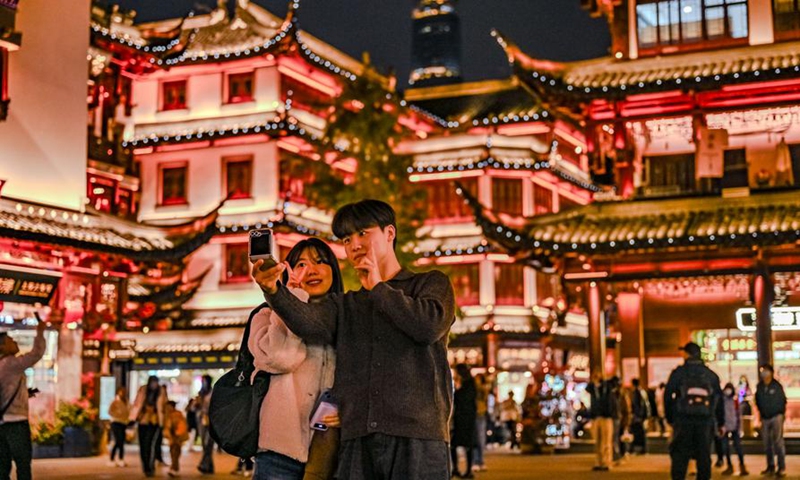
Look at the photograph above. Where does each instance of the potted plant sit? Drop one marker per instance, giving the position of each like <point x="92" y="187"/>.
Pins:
<point x="47" y="439"/>
<point x="78" y="419"/>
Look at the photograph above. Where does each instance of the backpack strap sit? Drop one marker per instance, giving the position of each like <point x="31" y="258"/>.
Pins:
<point x="244" y="363"/>
<point x="8" y="404"/>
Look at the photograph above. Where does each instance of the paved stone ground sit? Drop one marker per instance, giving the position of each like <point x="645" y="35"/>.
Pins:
<point x="501" y="466"/>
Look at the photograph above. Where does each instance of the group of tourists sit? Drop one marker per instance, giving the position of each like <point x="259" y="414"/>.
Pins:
<point x="156" y="419"/>
<point x="702" y="414"/>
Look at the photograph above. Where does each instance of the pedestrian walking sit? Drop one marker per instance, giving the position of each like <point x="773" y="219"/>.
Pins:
<point x="191" y="420"/>
<point x="623" y="435"/>
<point x="15" y="429"/>
<point x="692" y="403"/>
<point x="120" y="413"/>
<point x="732" y="429"/>
<point x="661" y="418"/>
<point x="176" y="431"/>
<point x="510" y="416"/>
<point x="640" y="412"/>
<point x="148" y="413"/>
<point x="302" y="372"/>
<point x="393" y="381"/>
<point x="244" y="467"/>
<point x="464" y="415"/>
<point x="483" y="388"/>
<point x="602" y="410"/>
<point x="206" y="466"/>
<point x="771" y="404"/>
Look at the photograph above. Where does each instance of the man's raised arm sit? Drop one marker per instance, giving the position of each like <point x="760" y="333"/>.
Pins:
<point x="313" y="322"/>
<point x="426" y="317"/>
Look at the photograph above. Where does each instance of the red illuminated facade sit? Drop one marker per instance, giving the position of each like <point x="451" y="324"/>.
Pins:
<point x="689" y="127"/>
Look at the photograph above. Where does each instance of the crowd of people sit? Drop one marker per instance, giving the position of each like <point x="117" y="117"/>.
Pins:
<point x="156" y="419"/>
<point x="703" y="416"/>
<point x="378" y="357"/>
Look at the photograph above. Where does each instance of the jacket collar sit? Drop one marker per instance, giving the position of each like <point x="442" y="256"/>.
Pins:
<point x="402" y="275"/>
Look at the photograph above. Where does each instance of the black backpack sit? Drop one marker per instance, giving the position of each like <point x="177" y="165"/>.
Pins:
<point x="236" y="403"/>
<point x="696" y="395"/>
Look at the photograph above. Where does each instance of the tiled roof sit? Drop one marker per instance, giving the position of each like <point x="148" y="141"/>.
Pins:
<point x="761" y="219"/>
<point x="103" y="233"/>
<point x="478" y="106"/>
<point x="700" y="70"/>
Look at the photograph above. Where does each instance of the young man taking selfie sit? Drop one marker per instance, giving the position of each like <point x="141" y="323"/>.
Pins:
<point x="393" y="381"/>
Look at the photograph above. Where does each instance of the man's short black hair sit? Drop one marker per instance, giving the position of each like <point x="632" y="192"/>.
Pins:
<point x="358" y="216"/>
<point x="769" y="367"/>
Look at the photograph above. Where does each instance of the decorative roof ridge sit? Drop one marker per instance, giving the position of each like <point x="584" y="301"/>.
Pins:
<point x="517" y="56"/>
<point x="479" y="87"/>
<point x="187" y="227"/>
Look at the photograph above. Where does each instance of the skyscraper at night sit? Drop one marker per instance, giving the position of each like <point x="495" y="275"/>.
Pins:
<point x="436" y="46"/>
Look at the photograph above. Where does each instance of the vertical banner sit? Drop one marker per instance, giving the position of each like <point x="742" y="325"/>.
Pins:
<point x="710" y="157"/>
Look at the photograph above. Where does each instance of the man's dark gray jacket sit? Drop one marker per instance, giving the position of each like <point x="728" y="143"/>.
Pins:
<point x="392" y="373"/>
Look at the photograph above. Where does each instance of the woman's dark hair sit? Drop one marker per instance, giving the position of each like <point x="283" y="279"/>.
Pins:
<point x="205" y="388"/>
<point x="152" y="393"/>
<point x="729" y="385"/>
<point x="463" y="371"/>
<point x="358" y="216"/>
<point x="326" y="256"/>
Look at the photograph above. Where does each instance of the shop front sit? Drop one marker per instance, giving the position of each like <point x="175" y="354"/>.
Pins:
<point x="733" y="355"/>
<point x="179" y="359"/>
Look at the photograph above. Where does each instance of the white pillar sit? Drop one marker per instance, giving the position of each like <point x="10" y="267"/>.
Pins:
<point x="633" y="33"/>
<point x="529" y="283"/>
<point x="527" y="198"/>
<point x="760" y="22"/>
<point x="485" y="190"/>
<point x="487" y="295"/>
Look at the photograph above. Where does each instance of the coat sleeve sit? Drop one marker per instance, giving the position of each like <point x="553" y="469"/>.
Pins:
<point x="313" y="322"/>
<point x="425" y="317"/>
<point x="274" y="347"/>
<point x="670" y="396"/>
<point x="21" y="363"/>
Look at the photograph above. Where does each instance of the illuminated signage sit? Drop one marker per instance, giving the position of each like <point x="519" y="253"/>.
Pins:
<point x="27" y="285"/>
<point x="783" y="318"/>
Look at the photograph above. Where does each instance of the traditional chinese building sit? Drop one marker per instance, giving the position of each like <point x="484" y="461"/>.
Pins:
<point x="502" y="147"/>
<point x="62" y="255"/>
<point x="224" y="107"/>
<point x="691" y="125"/>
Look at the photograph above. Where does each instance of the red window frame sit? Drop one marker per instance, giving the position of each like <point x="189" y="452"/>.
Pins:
<point x="241" y="87"/>
<point x="237" y="263"/>
<point x="173" y="95"/>
<point x="509" y="284"/>
<point x="445" y="203"/>
<point x="507" y="195"/>
<point x="466" y="283"/>
<point x="176" y="192"/>
<point x="237" y="181"/>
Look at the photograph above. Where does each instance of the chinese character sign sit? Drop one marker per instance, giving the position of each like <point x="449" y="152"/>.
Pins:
<point x="23" y="286"/>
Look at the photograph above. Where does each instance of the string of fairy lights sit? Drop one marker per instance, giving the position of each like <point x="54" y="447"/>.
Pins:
<point x="289" y="30"/>
<point x="696" y="77"/>
<point x="517" y="241"/>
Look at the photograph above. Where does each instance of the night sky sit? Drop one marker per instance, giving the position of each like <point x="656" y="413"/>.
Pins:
<point x="550" y="29"/>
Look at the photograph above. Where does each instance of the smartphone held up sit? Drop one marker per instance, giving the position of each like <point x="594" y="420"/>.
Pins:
<point x="262" y="247"/>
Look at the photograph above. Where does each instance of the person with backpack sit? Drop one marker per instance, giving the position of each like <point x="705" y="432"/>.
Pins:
<point x="288" y="448"/>
<point x="15" y="430"/>
<point x="176" y="431"/>
<point x="771" y="404"/>
<point x="692" y="403"/>
<point x="393" y="380"/>
<point x="640" y="412"/>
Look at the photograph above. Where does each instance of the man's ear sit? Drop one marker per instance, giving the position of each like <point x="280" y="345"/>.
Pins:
<point x="391" y="230"/>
